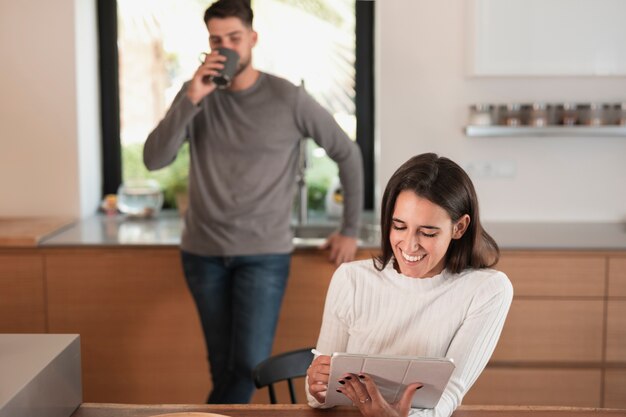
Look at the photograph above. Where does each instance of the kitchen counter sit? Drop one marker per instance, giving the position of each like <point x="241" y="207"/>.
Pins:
<point x="28" y="231"/>
<point x="283" y="410"/>
<point x="165" y="230"/>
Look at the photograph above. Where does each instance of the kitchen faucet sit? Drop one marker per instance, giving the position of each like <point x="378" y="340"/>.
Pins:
<point x="303" y="197"/>
<point x="301" y="183"/>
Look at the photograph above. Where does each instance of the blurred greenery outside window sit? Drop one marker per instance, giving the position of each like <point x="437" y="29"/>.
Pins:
<point x="159" y="41"/>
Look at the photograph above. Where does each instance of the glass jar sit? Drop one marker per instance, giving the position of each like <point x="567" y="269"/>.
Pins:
<point x="621" y="114"/>
<point x="513" y="114"/>
<point x="140" y="198"/>
<point x="538" y="115"/>
<point x="569" y="114"/>
<point x="481" y="115"/>
<point x="597" y="114"/>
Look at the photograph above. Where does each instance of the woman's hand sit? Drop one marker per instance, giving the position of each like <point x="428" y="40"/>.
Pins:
<point x="365" y="395"/>
<point x="318" y="374"/>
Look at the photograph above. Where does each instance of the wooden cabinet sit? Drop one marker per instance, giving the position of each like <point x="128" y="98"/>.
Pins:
<point x="141" y="339"/>
<point x="537" y="386"/>
<point x="553" y="274"/>
<point x="552" y="330"/>
<point x="615" y="388"/>
<point x="617" y="276"/>
<point x="22" y="292"/>
<point x="564" y="342"/>
<point x="615" y="375"/>
<point x="616" y="331"/>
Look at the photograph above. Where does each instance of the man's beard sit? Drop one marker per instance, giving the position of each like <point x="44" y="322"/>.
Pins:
<point x="241" y="67"/>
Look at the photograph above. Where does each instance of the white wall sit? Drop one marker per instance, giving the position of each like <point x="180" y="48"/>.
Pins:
<point x="423" y="95"/>
<point x="49" y="117"/>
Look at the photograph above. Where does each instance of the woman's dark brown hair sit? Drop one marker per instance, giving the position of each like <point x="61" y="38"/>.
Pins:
<point x="222" y="9"/>
<point x="443" y="182"/>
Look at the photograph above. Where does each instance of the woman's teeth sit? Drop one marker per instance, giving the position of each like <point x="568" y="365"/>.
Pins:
<point x="412" y="258"/>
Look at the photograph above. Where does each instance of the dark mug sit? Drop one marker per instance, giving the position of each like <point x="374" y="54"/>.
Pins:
<point x="226" y="74"/>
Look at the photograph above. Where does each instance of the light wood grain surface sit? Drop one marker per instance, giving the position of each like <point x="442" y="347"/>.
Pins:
<point x="281" y="410"/>
<point x="28" y="231"/>
<point x="617" y="276"/>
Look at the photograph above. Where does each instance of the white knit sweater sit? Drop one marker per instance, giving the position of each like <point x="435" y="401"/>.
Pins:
<point x="458" y="316"/>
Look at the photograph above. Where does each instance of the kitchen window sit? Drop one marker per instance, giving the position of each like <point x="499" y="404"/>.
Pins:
<point x="145" y="58"/>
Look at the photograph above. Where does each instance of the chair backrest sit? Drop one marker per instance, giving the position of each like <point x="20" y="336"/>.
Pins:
<point x="283" y="367"/>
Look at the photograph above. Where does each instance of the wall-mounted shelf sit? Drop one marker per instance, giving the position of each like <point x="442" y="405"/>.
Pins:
<point x="527" y="131"/>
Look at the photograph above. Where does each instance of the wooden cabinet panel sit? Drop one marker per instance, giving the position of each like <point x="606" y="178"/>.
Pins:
<point x="615" y="388"/>
<point x="616" y="331"/>
<point x="557" y="387"/>
<point x="22" y="298"/>
<point x="552" y="331"/>
<point x="617" y="276"/>
<point x="141" y="339"/>
<point x="562" y="275"/>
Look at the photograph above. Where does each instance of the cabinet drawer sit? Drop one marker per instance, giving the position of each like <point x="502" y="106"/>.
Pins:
<point x="22" y="303"/>
<point x="557" y="387"/>
<point x="552" y="331"/>
<point x="567" y="275"/>
<point x="615" y="388"/>
<point x="616" y="331"/>
<point x="617" y="277"/>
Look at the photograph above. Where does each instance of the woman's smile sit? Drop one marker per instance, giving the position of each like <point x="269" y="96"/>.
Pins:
<point x="411" y="258"/>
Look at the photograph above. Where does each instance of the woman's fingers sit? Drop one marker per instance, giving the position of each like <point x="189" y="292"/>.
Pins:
<point x="319" y="369"/>
<point x="364" y="393"/>
<point x="317" y="377"/>
<point x="354" y="389"/>
<point x="372" y="388"/>
<point x="318" y="390"/>
<point x="404" y="404"/>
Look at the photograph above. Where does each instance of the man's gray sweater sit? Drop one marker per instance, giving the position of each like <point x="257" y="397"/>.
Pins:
<point x="243" y="162"/>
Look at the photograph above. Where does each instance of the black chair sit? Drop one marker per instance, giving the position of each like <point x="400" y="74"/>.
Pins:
<point x="283" y="367"/>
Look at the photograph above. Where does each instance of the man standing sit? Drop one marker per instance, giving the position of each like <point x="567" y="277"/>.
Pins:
<point x="236" y="244"/>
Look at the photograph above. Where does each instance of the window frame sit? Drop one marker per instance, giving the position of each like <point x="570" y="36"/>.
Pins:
<point x="110" y="97"/>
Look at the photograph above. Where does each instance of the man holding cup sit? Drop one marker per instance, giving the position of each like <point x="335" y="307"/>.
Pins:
<point x="244" y="127"/>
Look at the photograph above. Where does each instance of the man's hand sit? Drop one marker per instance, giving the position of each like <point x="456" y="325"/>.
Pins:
<point x="198" y="88"/>
<point x="342" y="248"/>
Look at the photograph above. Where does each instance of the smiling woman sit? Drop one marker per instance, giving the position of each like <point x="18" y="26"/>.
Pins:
<point x="310" y="42"/>
<point x="431" y="293"/>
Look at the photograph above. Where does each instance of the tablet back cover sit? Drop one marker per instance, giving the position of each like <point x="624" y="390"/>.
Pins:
<point x="392" y="374"/>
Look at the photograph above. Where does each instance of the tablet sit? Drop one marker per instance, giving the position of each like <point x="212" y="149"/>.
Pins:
<point x="392" y="374"/>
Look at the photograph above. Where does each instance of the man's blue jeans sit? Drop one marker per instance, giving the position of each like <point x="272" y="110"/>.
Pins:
<point x="238" y="300"/>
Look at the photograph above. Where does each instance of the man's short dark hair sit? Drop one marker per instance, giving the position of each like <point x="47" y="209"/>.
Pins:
<point x="230" y="8"/>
